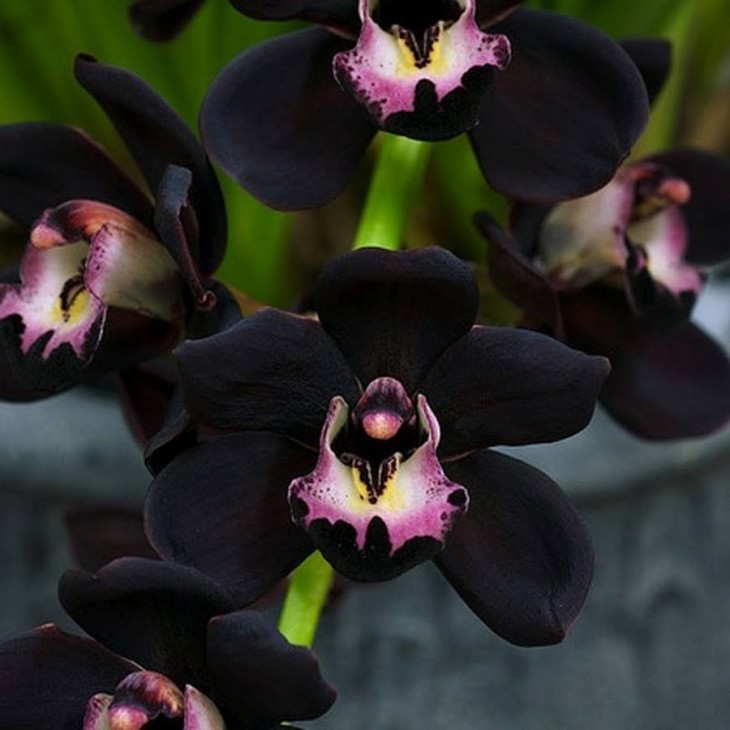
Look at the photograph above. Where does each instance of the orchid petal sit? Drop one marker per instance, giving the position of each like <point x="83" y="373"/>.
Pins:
<point x="373" y="303"/>
<point x="221" y="507"/>
<point x="534" y="140"/>
<point x="521" y="557"/>
<point x="278" y="123"/>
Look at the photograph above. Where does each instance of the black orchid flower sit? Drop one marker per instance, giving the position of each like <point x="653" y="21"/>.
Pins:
<point x="167" y="647"/>
<point x="110" y="277"/>
<point x="617" y="273"/>
<point x="162" y="20"/>
<point x="365" y="435"/>
<point x="551" y="105"/>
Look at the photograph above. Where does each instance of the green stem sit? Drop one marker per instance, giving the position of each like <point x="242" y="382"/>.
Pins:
<point x="399" y="169"/>
<point x="308" y="591"/>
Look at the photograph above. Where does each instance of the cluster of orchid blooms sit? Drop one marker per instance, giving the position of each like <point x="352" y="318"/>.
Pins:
<point x="362" y="429"/>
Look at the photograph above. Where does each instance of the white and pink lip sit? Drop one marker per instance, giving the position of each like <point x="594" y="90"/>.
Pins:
<point x="383" y="73"/>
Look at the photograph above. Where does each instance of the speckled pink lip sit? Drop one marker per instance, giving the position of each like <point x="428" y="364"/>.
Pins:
<point x="409" y="494"/>
<point x="385" y="67"/>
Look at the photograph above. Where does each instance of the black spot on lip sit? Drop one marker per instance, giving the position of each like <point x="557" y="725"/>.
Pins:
<point x="457" y="498"/>
<point x="338" y="544"/>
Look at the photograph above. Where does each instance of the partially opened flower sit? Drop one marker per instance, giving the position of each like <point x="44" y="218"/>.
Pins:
<point x="110" y="277"/>
<point x="365" y="435"/>
<point x="168" y="652"/>
<point x="618" y="272"/>
<point x="551" y="105"/>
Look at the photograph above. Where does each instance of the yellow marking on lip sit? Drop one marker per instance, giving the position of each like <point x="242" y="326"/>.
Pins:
<point x="76" y="311"/>
<point x="435" y="61"/>
<point x="391" y="499"/>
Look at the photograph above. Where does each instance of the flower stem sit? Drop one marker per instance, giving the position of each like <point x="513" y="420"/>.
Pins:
<point x="398" y="172"/>
<point x="308" y="590"/>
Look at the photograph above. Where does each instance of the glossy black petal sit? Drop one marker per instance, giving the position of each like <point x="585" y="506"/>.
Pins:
<point x="670" y="385"/>
<point x="271" y="372"/>
<point x="177" y="226"/>
<point x="560" y="118"/>
<point x="513" y="275"/>
<point x="394" y="313"/>
<point x="277" y="122"/>
<point x="259" y="677"/>
<point x="151" y="611"/>
<point x="157" y="138"/>
<point x="510" y="386"/>
<point x="707" y="214"/>
<point x="145" y="393"/>
<point x="664" y="384"/>
<point x="653" y="58"/>
<point x="162" y="20"/>
<point x="48" y="676"/>
<point x="521" y="557"/>
<point x="98" y="535"/>
<point x="43" y="165"/>
<point x="340" y="14"/>
<point x="490" y="11"/>
<point x="222" y="508"/>
<point x="177" y="434"/>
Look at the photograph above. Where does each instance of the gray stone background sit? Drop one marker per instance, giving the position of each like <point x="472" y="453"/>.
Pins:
<point x="650" y="651"/>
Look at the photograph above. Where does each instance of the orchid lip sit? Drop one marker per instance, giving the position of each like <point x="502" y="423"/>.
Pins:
<point x="409" y="61"/>
<point x="634" y="223"/>
<point x="377" y="506"/>
<point x="84" y="257"/>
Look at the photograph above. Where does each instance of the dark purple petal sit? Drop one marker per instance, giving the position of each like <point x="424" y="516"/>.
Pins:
<point x="98" y="535"/>
<point x="278" y="123"/>
<point x="513" y="275"/>
<point x="510" y="386"/>
<point x="271" y="372"/>
<point x="130" y="338"/>
<point x="393" y="313"/>
<point x="259" y="677"/>
<point x="490" y="11"/>
<point x="48" y="676"/>
<point x="559" y="119"/>
<point x="43" y="165"/>
<point x="670" y="385"/>
<point x="653" y="58"/>
<point x="521" y="557"/>
<point x="339" y="14"/>
<point x="151" y="611"/>
<point x="162" y="20"/>
<point x="707" y="214"/>
<point x="177" y="434"/>
<point x="145" y="393"/>
<point x="221" y="507"/>
<point x="225" y="312"/>
<point x="177" y="226"/>
<point x="157" y="138"/>
<point x="665" y="384"/>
